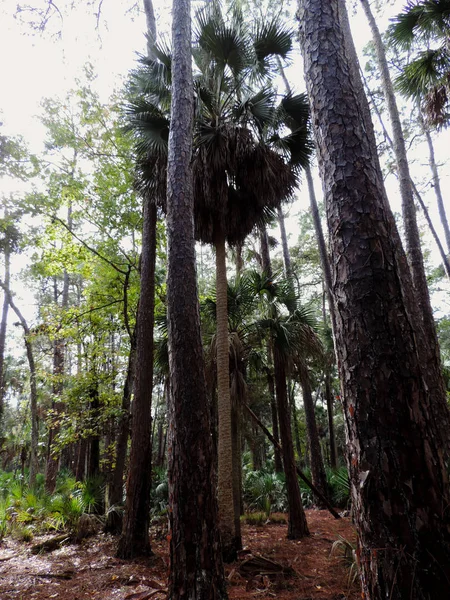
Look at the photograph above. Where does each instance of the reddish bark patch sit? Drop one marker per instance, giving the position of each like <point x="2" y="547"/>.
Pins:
<point x="90" y="570"/>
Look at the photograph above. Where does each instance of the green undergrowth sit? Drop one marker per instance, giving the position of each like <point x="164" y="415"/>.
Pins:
<point x="25" y="512"/>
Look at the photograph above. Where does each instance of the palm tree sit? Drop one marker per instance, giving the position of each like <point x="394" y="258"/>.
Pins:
<point x="239" y="172"/>
<point x="293" y="339"/>
<point x="425" y="24"/>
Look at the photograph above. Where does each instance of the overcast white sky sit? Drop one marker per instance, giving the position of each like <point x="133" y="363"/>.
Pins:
<point x="35" y="65"/>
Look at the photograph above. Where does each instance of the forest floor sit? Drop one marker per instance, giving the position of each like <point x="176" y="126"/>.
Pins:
<point x="90" y="570"/>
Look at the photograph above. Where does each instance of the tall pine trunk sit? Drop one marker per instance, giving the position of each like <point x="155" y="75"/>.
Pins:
<point x="196" y="570"/>
<point x="399" y="483"/>
<point x="135" y="540"/>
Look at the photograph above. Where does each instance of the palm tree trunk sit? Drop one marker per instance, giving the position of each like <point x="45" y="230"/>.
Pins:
<point x="394" y="456"/>
<point x="196" y="569"/>
<point x="230" y="537"/>
<point x="429" y="346"/>
<point x="265" y="253"/>
<point x="135" y="539"/>
<point x="297" y="526"/>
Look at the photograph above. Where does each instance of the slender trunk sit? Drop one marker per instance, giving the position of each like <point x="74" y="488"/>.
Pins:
<point x="151" y="26"/>
<point x="114" y="519"/>
<point x="399" y="482"/>
<point x="273" y="409"/>
<point x="135" y="540"/>
<point x="331" y="434"/>
<point x="229" y="535"/>
<point x="237" y="469"/>
<point x="267" y="269"/>
<point x="297" y="526"/>
<point x="436" y="182"/>
<point x="3" y="324"/>
<point x="93" y="467"/>
<point x="59" y="348"/>
<point x="33" y="388"/>
<point x="444" y="255"/>
<point x="239" y="260"/>
<point x="265" y="254"/>
<point x="302" y="476"/>
<point x="323" y="253"/>
<point x="33" y="411"/>
<point x="284" y="244"/>
<point x="298" y="445"/>
<point x="196" y="570"/>
<point x="319" y="478"/>
<point x="429" y="346"/>
<point x="80" y="466"/>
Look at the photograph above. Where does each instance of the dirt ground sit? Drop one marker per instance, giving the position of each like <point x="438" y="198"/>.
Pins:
<point x="90" y="571"/>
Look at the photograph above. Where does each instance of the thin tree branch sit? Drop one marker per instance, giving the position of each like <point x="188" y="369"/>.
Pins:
<point x="88" y="247"/>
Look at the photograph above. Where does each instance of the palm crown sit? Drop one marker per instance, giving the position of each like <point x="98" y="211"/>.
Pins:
<point x="427" y="76"/>
<point x="247" y="145"/>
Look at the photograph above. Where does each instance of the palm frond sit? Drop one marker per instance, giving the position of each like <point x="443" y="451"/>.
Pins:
<point x="423" y="73"/>
<point x="225" y="45"/>
<point x="271" y="38"/>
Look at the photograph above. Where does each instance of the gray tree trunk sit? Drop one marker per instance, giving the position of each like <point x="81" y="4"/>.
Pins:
<point x="436" y="182"/>
<point x="3" y="325"/>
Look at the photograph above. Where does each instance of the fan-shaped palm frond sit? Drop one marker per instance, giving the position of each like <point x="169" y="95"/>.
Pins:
<point x="427" y="75"/>
<point x="225" y="44"/>
<point x="420" y="22"/>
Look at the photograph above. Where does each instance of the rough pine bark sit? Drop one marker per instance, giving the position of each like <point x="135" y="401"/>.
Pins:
<point x="399" y="483"/>
<point x="196" y="570"/>
<point x="135" y="539"/>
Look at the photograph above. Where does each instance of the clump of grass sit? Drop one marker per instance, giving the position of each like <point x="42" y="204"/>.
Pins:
<point x="278" y="518"/>
<point x="346" y="551"/>
<point x="255" y="518"/>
